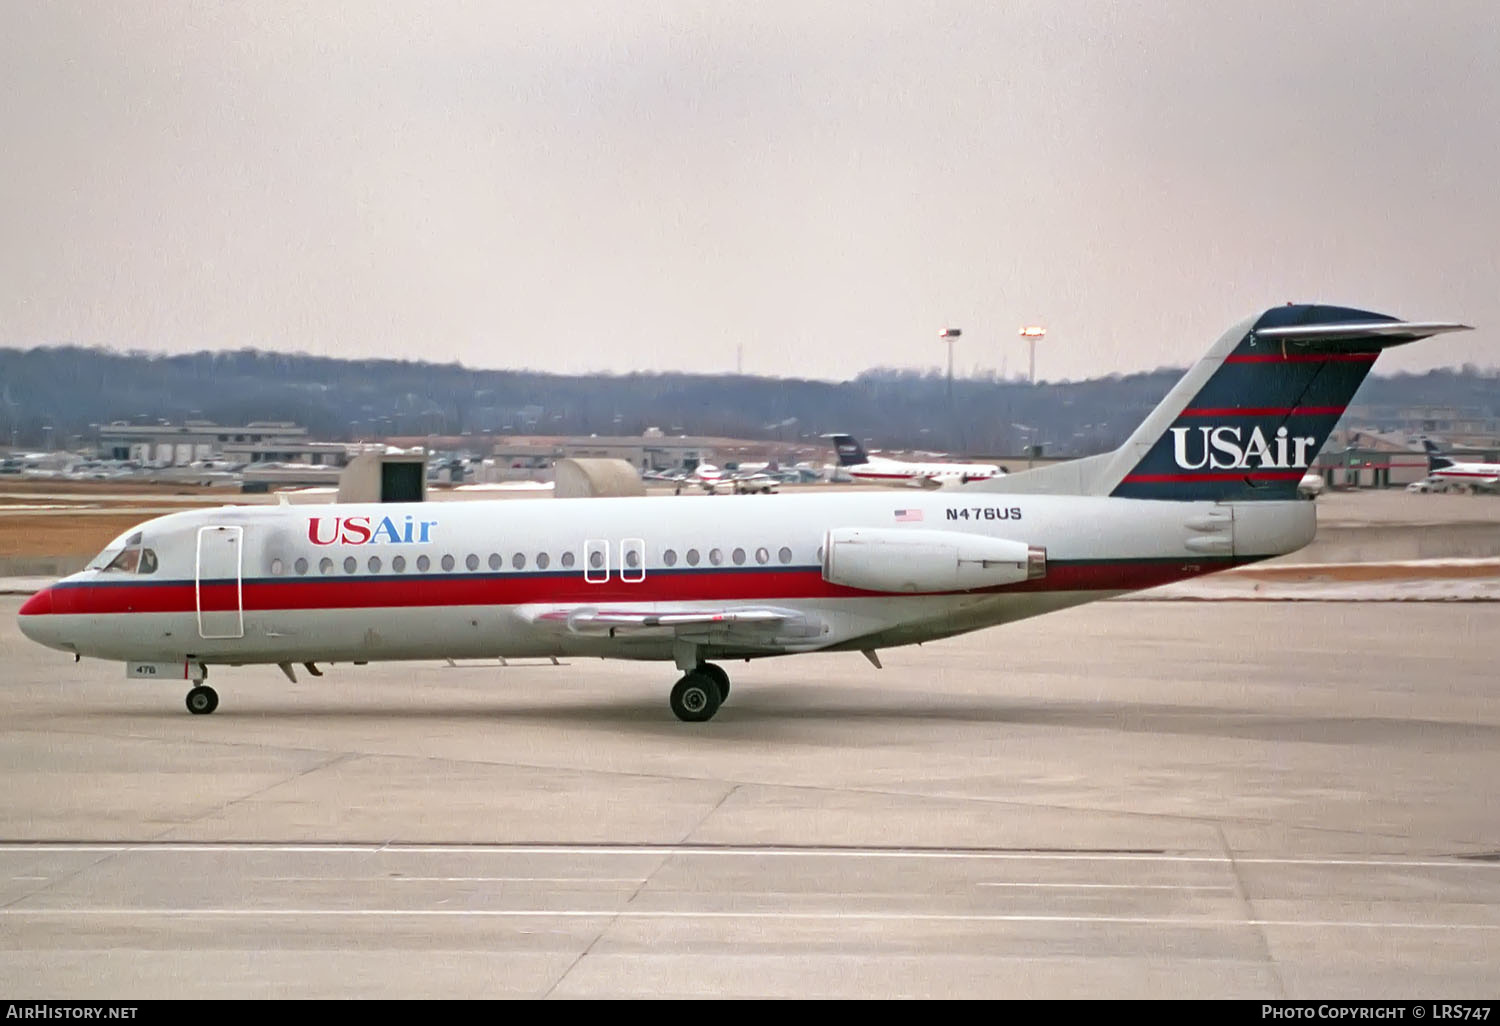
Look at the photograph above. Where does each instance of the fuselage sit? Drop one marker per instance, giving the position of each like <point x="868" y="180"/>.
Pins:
<point x="363" y="582"/>
<point x="898" y="472"/>
<point x="1481" y="475"/>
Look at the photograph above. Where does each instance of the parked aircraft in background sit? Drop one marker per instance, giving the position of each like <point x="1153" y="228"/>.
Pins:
<point x="1208" y="481"/>
<point x="754" y="483"/>
<point x="714" y="480"/>
<point x="854" y="461"/>
<point x="1311" y="485"/>
<point x="706" y="476"/>
<point x="1446" y="470"/>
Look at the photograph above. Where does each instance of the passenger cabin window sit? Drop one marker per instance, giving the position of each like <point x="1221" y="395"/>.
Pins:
<point x="447" y="562"/>
<point x="398" y="564"/>
<point x="300" y="566"/>
<point x="495" y="561"/>
<point x="423" y="563"/>
<point x="669" y="558"/>
<point x="785" y="555"/>
<point x="471" y="561"/>
<point x="542" y="559"/>
<point x="567" y="559"/>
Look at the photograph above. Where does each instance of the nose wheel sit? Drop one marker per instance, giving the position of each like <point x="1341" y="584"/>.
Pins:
<point x="698" y="695"/>
<point x="202" y="700"/>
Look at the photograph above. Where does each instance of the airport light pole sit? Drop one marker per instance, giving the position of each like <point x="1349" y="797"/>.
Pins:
<point x="948" y="335"/>
<point x="1031" y="333"/>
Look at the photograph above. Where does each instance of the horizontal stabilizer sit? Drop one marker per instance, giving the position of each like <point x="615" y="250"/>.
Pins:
<point x="1380" y="333"/>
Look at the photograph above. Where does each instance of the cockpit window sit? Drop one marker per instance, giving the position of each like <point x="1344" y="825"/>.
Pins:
<point x="115" y="551"/>
<point x="130" y="560"/>
<point x="126" y="562"/>
<point x="104" y="558"/>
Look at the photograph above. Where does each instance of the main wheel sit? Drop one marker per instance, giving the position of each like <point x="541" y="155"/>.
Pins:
<point x="720" y="678"/>
<point x="202" y="700"/>
<point x="695" y="698"/>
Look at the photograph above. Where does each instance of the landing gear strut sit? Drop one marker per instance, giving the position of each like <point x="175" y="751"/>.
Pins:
<point x="698" y="695"/>
<point x="202" y="700"/>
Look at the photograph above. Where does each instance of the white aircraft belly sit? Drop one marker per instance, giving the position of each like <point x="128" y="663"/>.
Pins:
<point x="475" y="632"/>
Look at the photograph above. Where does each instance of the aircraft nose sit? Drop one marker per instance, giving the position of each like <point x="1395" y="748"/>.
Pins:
<point x="36" y="619"/>
<point x="39" y="604"/>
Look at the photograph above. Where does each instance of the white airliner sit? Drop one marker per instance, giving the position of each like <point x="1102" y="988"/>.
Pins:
<point x="1446" y="469"/>
<point x="855" y="462"/>
<point x="1208" y="481"/>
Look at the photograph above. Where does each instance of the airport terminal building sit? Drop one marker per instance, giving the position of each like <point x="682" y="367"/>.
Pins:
<point x="177" y="445"/>
<point x="647" y="452"/>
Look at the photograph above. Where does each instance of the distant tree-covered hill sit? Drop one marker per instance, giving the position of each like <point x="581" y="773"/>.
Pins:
<point x="55" y="394"/>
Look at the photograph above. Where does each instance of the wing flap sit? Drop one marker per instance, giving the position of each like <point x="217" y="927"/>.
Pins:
<point x="763" y="623"/>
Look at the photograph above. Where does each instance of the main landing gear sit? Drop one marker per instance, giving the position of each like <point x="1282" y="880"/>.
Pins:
<point x="698" y="695"/>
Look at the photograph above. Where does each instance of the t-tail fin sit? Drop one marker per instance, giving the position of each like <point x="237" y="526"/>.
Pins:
<point x="1247" y="420"/>
<point x="851" y="453"/>
<point x="1435" y="458"/>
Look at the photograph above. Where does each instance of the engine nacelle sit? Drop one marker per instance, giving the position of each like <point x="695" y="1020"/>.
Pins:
<point x="896" y="560"/>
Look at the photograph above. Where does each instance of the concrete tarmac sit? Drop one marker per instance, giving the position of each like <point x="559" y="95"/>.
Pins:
<point x="1248" y="800"/>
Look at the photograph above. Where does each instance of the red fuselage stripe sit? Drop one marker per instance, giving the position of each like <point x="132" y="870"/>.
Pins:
<point x="355" y="592"/>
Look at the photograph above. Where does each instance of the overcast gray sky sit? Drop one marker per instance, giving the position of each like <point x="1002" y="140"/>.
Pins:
<point x="644" y="185"/>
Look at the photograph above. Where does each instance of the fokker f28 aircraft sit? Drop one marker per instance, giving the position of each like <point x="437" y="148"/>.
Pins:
<point x="1476" y="476"/>
<point x="1208" y="481"/>
<point x="855" y="462"/>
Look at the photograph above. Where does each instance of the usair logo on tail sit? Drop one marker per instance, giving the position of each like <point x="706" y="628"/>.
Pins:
<point x="1222" y="448"/>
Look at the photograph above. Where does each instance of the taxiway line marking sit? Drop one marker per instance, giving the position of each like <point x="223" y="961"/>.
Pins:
<point x="657" y="851"/>
<point x="777" y="914"/>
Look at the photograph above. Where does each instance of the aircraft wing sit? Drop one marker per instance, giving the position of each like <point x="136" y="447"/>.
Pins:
<point x="746" y="624"/>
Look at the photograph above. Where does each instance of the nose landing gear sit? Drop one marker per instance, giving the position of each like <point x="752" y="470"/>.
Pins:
<point x="202" y="700"/>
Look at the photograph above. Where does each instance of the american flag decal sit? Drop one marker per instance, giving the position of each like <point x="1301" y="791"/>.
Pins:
<point x="906" y="516"/>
